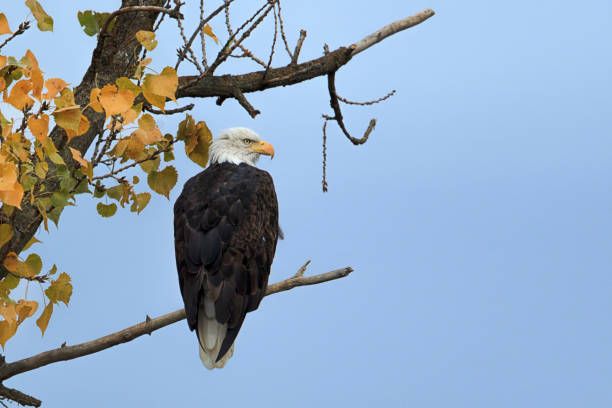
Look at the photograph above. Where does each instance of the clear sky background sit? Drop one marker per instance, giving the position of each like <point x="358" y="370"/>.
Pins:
<point x="477" y="218"/>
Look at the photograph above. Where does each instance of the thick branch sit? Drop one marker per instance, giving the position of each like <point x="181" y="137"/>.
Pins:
<point x="147" y="327"/>
<point x="224" y="86"/>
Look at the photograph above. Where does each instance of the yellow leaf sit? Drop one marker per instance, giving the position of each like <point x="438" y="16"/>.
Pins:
<point x="7" y="330"/>
<point x="25" y="309"/>
<point x="208" y="31"/>
<point x="54" y="86"/>
<point x="10" y="262"/>
<point x="198" y="143"/>
<point x="141" y="66"/>
<point x="149" y="132"/>
<point x="19" y="94"/>
<point x="8" y="175"/>
<point x="131" y="114"/>
<point x="7" y="310"/>
<point x="135" y="148"/>
<point x="163" y="181"/>
<point x="69" y="117"/>
<point x="3" y="60"/>
<point x="60" y="289"/>
<point x="6" y="233"/>
<point x="4" y="25"/>
<point x="12" y="196"/>
<point x="39" y="127"/>
<point x="82" y="128"/>
<point x="156" y="88"/>
<point x="37" y="83"/>
<point x="146" y="39"/>
<point x="94" y="103"/>
<point x="31" y="60"/>
<point x="115" y="101"/>
<point x="76" y="155"/>
<point x="44" y="21"/>
<point x="43" y="321"/>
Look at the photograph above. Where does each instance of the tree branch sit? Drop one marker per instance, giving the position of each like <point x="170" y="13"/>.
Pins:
<point x="64" y="353"/>
<point x="224" y="86"/>
<point x="19" y="397"/>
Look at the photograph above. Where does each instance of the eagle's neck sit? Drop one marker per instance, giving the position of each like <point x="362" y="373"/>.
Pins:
<point x="224" y="153"/>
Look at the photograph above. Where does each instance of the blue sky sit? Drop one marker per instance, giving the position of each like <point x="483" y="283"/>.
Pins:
<point x="477" y="219"/>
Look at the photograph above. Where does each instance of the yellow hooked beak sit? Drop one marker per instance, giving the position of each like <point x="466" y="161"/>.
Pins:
<point x="263" y="148"/>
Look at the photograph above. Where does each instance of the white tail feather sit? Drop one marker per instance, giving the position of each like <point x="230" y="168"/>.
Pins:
<point x="211" y="334"/>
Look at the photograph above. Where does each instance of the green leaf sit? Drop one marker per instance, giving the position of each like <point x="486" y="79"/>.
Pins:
<point x="92" y="21"/>
<point x="163" y="181"/>
<point x="6" y="233"/>
<point x="44" y="21"/>
<point x="126" y="83"/>
<point x="31" y="242"/>
<point x="115" y="192"/>
<point x="41" y="169"/>
<point x="99" y="190"/>
<point x="106" y="210"/>
<point x="31" y="267"/>
<point x="54" y="215"/>
<point x="186" y="127"/>
<point x="140" y="202"/>
<point x="150" y="165"/>
<point x="60" y="289"/>
<point x="53" y="270"/>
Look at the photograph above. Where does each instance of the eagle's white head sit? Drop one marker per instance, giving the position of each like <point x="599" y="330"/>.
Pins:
<point x="239" y="145"/>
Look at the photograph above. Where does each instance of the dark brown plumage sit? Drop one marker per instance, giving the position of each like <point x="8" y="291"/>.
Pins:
<point x="225" y="234"/>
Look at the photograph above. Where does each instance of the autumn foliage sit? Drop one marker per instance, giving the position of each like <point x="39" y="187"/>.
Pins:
<point x="32" y="170"/>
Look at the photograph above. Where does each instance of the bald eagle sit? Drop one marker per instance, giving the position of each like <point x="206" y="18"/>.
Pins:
<point x="225" y="234"/>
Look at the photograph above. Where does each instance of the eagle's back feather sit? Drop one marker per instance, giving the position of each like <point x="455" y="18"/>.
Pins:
<point x="225" y="233"/>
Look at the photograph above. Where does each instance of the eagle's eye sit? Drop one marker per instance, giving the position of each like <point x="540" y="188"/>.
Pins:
<point x="247" y="141"/>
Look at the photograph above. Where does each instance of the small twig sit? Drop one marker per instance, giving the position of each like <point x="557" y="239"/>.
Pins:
<point x="122" y="336"/>
<point x="201" y="26"/>
<point x="333" y="101"/>
<point x="232" y="44"/>
<point x="185" y="108"/>
<point x="273" y="44"/>
<point x="203" y="36"/>
<point x="114" y="172"/>
<point x="300" y="272"/>
<point x="20" y="30"/>
<point x="348" y="102"/>
<point x="174" y="13"/>
<point x="282" y="30"/>
<point x="182" y="53"/>
<point x="324" y="181"/>
<point x="298" y="47"/>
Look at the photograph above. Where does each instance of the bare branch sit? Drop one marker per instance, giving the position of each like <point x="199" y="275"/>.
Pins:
<point x="185" y="108"/>
<point x="19" y="397"/>
<point x="64" y="353"/>
<point x="223" y="86"/>
<point x="391" y="29"/>
<point x="20" y="30"/>
<point x="367" y="103"/>
<point x="333" y="101"/>
<point x="201" y="26"/>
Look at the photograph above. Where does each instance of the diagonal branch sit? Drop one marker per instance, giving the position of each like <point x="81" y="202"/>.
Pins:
<point x="224" y="86"/>
<point x="64" y="353"/>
